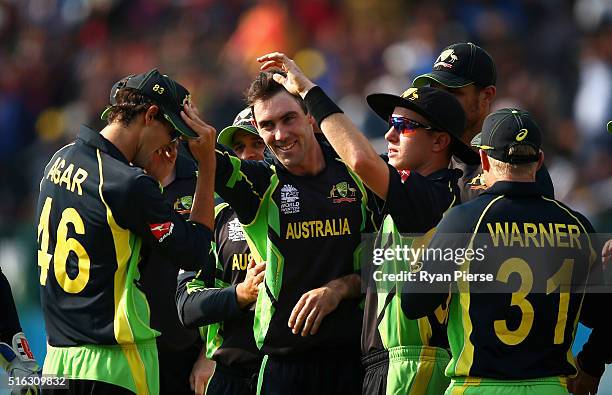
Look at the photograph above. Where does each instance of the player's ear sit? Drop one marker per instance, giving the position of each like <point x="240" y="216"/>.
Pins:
<point x="441" y="142"/>
<point x="540" y="160"/>
<point x="313" y="123"/>
<point x="488" y="93"/>
<point x="150" y="114"/>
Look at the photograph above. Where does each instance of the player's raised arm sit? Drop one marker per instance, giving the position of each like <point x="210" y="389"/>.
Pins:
<point x="348" y="141"/>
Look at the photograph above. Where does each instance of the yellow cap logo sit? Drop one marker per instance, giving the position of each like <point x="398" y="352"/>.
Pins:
<point x="522" y="134"/>
<point x="410" y="94"/>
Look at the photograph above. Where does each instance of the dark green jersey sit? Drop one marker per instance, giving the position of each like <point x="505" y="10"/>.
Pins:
<point x="94" y="213"/>
<point x="415" y="204"/>
<point x="308" y="230"/>
<point x="520" y="322"/>
<point x="229" y="340"/>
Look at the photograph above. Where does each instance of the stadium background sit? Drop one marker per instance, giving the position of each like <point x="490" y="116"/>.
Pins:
<point x="59" y="59"/>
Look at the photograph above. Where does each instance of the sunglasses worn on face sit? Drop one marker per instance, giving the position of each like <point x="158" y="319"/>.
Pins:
<point x="405" y="125"/>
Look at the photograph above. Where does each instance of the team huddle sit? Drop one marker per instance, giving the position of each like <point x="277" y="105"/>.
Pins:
<point x="250" y="250"/>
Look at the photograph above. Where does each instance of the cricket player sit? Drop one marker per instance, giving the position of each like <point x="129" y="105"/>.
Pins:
<point x="426" y="125"/>
<point x="303" y="212"/>
<point x="513" y="313"/>
<point x="229" y="341"/>
<point x="97" y="209"/>
<point x="468" y="72"/>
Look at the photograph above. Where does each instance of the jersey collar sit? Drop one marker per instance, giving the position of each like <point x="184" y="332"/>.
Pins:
<point x="512" y="188"/>
<point x="95" y="139"/>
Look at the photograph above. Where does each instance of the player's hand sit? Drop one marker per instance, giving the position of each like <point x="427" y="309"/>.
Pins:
<point x="312" y="307"/>
<point x="247" y="291"/>
<point x="203" y="146"/>
<point x="202" y="371"/>
<point x="583" y="383"/>
<point x="296" y="81"/>
<point x="161" y="163"/>
<point x="19" y="362"/>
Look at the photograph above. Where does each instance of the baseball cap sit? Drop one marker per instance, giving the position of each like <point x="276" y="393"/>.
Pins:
<point x="507" y="128"/>
<point x="243" y="122"/>
<point x="609" y="126"/>
<point x="168" y="94"/>
<point x="440" y="108"/>
<point x="460" y="65"/>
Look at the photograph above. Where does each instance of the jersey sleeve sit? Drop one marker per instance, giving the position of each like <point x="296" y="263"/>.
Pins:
<point x="203" y="298"/>
<point x="421" y="297"/>
<point x="241" y="183"/>
<point x="200" y="301"/>
<point x="141" y="208"/>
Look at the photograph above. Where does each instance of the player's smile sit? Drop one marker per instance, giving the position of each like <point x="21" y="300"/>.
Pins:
<point x="285" y="147"/>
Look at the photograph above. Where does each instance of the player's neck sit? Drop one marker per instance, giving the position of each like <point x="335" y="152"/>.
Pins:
<point x="437" y="162"/>
<point x="123" y="138"/>
<point x="312" y="164"/>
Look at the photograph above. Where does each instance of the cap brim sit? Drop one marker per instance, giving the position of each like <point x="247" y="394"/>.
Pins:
<point x="178" y="124"/>
<point x="104" y="114"/>
<point x="227" y="134"/>
<point x="383" y="104"/>
<point x="442" y="77"/>
<point x="463" y="152"/>
<point x="477" y="140"/>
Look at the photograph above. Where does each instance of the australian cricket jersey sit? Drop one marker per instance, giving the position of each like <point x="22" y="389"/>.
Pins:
<point x="519" y="322"/>
<point x="308" y="230"/>
<point x="159" y="273"/>
<point x="95" y="212"/>
<point x="414" y="205"/>
<point x="472" y="183"/>
<point x="229" y="340"/>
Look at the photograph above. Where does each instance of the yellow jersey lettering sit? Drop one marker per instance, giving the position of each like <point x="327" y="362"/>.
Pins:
<point x="317" y="228"/>
<point x="559" y="232"/>
<point x="546" y="234"/>
<point x="531" y="230"/>
<point x="240" y="261"/>
<point x="495" y="234"/>
<point x="77" y="180"/>
<point x="534" y="235"/>
<point x="574" y="234"/>
<point x="66" y="176"/>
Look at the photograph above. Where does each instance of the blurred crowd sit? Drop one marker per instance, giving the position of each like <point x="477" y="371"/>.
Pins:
<point x="59" y="59"/>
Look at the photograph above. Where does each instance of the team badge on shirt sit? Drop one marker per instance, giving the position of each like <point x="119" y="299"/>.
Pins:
<point x="342" y="192"/>
<point x="477" y="182"/>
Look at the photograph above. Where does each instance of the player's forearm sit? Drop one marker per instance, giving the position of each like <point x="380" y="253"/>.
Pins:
<point x="204" y="203"/>
<point x="346" y="287"/>
<point x="349" y="142"/>
<point x="198" y="305"/>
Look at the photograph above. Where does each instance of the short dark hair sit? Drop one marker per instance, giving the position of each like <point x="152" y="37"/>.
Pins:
<point x="130" y="103"/>
<point x="264" y="87"/>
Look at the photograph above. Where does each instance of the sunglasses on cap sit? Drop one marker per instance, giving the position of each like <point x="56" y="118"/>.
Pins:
<point x="405" y="125"/>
